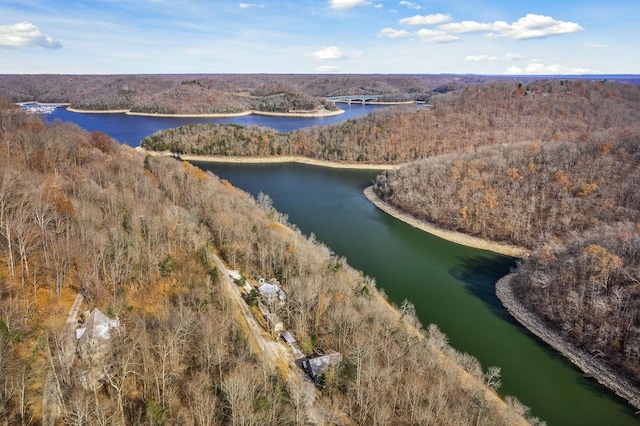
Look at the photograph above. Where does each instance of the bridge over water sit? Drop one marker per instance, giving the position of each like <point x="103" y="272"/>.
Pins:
<point x="357" y="98"/>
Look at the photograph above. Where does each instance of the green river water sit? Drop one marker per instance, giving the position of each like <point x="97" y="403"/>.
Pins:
<point x="450" y="285"/>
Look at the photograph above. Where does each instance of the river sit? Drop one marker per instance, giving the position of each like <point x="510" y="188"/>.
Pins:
<point x="450" y="285"/>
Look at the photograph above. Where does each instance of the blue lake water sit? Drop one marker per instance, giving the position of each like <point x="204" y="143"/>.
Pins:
<point x="131" y="129"/>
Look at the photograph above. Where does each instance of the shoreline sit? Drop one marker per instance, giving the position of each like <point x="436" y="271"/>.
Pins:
<point x="376" y="102"/>
<point x="466" y="379"/>
<point x="320" y="113"/>
<point x="271" y="160"/>
<point x="602" y="373"/>
<point x="453" y="236"/>
<point x="96" y="111"/>
<point x="61" y="104"/>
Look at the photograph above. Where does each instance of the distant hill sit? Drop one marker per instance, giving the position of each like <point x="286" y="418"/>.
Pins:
<point x="205" y="94"/>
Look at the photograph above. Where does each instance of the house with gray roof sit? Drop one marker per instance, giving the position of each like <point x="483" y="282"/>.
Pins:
<point x="318" y="366"/>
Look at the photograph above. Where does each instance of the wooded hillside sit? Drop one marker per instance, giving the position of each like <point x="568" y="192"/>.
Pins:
<point x="565" y="182"/>
<point x="485" y="114"/>
<point x="520" y="193"/>
<point x="213" y="93"/>
<point x="82" y="214"/>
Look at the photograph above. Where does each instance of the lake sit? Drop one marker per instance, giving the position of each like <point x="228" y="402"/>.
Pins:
<point x="131" y="129"/>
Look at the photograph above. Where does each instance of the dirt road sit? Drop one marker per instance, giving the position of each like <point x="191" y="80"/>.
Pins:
<point x="277" y="356"/>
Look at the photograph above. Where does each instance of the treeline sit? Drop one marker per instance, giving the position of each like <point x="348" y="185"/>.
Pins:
<point x="520" y="193"/>
<point x="206" y="93"/>
<point x="570" y="191"/>
<point x="218" y="139"/>
<point x="479" y="115"/>
<point x="136" y="235"/>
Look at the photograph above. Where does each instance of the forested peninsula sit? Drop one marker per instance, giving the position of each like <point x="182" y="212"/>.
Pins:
<point x="549" y="165"/>
<point x="211" y="94"/>
<point x="94" y="232"/>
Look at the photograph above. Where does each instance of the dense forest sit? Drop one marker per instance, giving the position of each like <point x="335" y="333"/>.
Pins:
<point x="478" y="115"/>
<point x="138" y="237"/>
<point x="209" y="94"/>
<point x="565" y="182"/>
<point x="520" y="193"/>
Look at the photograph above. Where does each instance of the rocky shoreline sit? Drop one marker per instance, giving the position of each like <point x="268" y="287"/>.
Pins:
<point x="274" y="159"/>
<point x="602" y="373"/>
<point x="455" y="237"/>
<point x="305" y="114"/>
<point x="588" y="364"/>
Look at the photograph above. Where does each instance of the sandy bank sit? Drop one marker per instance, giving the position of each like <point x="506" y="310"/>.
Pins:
<point x="107" y="111"/>
<point x="60" y="104"/>
<point x="455" y="237"/>
<point x="212" y="115"/>
<point x="587" y="363"/>
<point x="305" y="114"/>
<point x="376" y="103"/>
<point x="267" y="160"/>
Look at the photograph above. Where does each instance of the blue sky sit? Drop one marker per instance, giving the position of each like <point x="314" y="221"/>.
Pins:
<point x="325" y="36"/>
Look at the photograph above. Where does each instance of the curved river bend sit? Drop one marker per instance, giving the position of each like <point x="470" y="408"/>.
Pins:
<point x="450" y="285"/>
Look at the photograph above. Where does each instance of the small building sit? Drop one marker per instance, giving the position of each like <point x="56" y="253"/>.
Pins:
<point x="271" y="292"/>
<point x="318" y="366"/>
<point x="288" y="337"/>
<point x="97" y="328"/>
<point x="93" y="346"/>
<point x="275" y="323"/>
<point x="235" y="276"/>
<point x="290" y="340"/>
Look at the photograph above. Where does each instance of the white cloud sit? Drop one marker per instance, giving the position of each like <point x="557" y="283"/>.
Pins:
<point x="554" y="69"/>
<point x="346" y="4"/>
<point x="327" y="53"/>
<point x="468" y="27"/>
<point x="535" y="26"/>
<point x="434" y="19"/>
<point x="327" y="69"/>
<point x="527" y="27"/>
<point x="435" y="36"/>
<point x="410" y="5"/>
<point x="391" y="33"/>
<point x="493" y="58"/>
<point x="23" y="35"/>
<point x="331" y="53"/>
<point x="249" y="5"/>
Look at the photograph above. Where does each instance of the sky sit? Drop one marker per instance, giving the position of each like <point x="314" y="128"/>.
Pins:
<point x="490" y="37"/>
